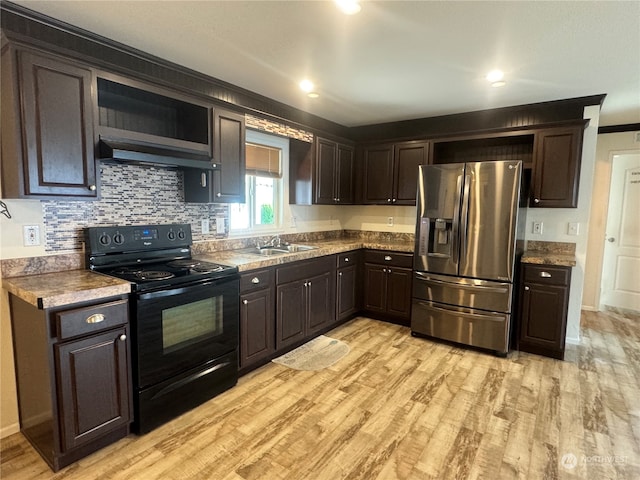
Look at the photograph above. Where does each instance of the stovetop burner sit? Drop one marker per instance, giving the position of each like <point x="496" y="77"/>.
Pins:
<point x="183" y="263"/>
<point x="154" y="275"/>
<point x="126" y="271"/>
<point x="207" y="268"/>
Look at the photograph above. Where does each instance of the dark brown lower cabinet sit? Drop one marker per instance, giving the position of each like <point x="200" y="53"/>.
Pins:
<point x="73" y="376"/>
<point x="348" y="285"/>
<point x="544" y="300"/>
<point x="387" y="285"/>
<point x="257" y="317"/>
<point x="305" y="299"/>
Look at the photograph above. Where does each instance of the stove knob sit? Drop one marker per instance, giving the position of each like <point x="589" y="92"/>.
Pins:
<point x="171" y="235"/>
<point x="181" y="235"/>
<point x="118" y="239"/>
<point x="104" y="239"/>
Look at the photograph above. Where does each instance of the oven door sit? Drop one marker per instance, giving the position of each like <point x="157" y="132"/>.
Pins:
<point x="181" y="328"/>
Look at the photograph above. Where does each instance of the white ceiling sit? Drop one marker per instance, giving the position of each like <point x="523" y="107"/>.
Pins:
<point x="393" y="60"/>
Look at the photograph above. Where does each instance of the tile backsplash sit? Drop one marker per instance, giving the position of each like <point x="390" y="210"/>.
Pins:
<point x="130" y="195"/>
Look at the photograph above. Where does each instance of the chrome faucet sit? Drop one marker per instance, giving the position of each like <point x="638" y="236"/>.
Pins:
<point x="274" y="241"/>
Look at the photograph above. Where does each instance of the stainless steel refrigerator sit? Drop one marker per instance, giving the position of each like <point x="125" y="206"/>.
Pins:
<point x="469" y="237"/>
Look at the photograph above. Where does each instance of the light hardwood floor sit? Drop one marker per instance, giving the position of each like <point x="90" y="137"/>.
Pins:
<point x="399" y="407"/>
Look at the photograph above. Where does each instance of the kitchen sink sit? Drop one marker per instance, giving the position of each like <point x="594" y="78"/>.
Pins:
<point x="281" y="250"/>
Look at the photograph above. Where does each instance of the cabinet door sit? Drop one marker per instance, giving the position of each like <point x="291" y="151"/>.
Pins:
<point x="321" y="299"/>
<point x="407" y="157"/>
<point x="344" y="172"/>
<point x="347" y="291"/>
<point x="378" y="174"/>
<point x="229" y="157"/>
<point x="257" y="337"/>
<point x="326" y="157"/>
<point x="197" y="185"/>
<point x="94" y="392"/>
<point x="291" y="313"/>
<point x="556" y="167"/>
<point x="57" y="128"/>
<point x="375" y="288"/>
<point x="544" y="316"/>
<point x="399" y="292"/>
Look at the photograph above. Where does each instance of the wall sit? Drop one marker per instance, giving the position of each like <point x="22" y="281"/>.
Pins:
<point x="608" y="145"/>
<point x="555" y="221"/>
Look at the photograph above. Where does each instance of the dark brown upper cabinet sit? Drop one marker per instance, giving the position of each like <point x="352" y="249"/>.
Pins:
<point x="390" y="172"/>
<point x="47" y="127"/>
<point x="556" y="167"/>
<point x="320" y="173"/>
<point x="226" y="182"/>
<point x="334" y="173"/>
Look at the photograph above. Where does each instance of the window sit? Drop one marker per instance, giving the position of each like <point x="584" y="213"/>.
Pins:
<point x="265" y="156"/>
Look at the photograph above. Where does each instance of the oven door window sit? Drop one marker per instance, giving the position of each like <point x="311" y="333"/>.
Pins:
<point x="184" y="328"/>
<point x="189" y="324"/>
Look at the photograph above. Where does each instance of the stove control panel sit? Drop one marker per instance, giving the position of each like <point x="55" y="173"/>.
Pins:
<point x="101" y="240"/>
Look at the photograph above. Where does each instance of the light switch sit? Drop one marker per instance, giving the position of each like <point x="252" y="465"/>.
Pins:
<point x="573" y="228"/>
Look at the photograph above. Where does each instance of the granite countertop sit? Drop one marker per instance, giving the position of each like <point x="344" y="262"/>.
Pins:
<point x="64" y="288"/>
<point x="550" y="253"/>
<point x="47" y="290"/>
<point x="247" y="261"/>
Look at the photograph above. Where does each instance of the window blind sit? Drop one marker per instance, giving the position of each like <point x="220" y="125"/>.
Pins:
<point x="263" y="161"/>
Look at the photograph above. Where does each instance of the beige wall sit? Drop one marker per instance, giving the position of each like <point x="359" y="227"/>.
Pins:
<point x="608" y="145"/>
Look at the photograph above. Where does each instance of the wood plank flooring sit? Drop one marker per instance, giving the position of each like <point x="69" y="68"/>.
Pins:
<point x="399" y="407"/>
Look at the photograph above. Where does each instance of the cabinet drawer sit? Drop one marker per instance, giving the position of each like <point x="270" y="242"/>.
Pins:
<point x="82" y="321"/>
<point x="547" y="275"/>
<point x="256" y="280"/>
<point x="396" y="259"/>
<point x="304" y="269"/>
<point x="348" y="258"/>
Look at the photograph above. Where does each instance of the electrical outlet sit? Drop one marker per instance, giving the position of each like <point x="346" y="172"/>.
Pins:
<point x="205" y="225"/>
<point x="573" y="228"/>
<point x="220" y="227"/>
<point x="31" y="235"/>
<point x="292" y="222"/>
<point x="537" y="228"/>
<point x="389" y="221"/>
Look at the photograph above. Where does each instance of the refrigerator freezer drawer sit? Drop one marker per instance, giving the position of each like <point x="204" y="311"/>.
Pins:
<point x="461" y="325"/>
<point x="471" y="293"/>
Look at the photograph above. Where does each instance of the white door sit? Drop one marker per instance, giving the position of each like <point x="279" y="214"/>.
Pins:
<point x="621" y="266"/>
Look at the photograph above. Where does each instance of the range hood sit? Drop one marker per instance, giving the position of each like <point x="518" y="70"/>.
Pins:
<point x="143" y="153"/>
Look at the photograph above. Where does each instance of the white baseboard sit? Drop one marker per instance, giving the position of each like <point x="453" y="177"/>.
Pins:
<point x="9" y="430"/>
<point x="589" y="309"/>
<point x="572" y="340"/>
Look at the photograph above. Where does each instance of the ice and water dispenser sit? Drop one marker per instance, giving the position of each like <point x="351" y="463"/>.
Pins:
<point x="436" y="237"/>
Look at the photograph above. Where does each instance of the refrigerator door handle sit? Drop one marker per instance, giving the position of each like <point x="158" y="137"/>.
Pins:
<point x="464" y="218"/>
<point x="455" y="227"/>
<point x="476" y="316"/>
<point x="426" y="278"/>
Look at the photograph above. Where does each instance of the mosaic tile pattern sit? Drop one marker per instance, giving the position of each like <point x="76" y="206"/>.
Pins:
<point x="277" y="128"/>
<point x="130" y="195"/>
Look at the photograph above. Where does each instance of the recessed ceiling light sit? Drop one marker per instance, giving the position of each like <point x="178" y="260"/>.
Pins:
<point x="313" y="94"/>
<point x="495" y="76"/>
<point x="499" y="83"/>
<point x="306" y="85"/>
<point x="348" y="7"/>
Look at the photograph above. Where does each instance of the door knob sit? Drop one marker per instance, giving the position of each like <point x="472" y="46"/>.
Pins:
<point x="611" y="239"/>
<point x="244" y="302"/>
<point x="526" y="288"/>
<point x="123" y="337"/>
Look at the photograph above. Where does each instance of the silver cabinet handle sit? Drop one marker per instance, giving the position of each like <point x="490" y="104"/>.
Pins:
<point x="339" y="274"/>
<point x="123" y="337"/>
<point x="527" y="288"/>
<point x="346" y="259"/>
<point x="394" y="200"/>
<point x="255" y="280"/>
<point x="214" y="165"/>
<point x="305" y="284"/>
<point x="545" y="274"/>
<point x="218" y="194"/>
<point x="309" y="283"/>
<point x="384" y="270"/>
<point x="203" y="179"/>
<point x="388" y="200"/>
<point x="95" y="318"/>
<point x="611" y="239"/>
<point x="92" y="188"/>
<point x="244" y="302"/>
<point x="388" y="258"/>
<point x="536" y="200"/>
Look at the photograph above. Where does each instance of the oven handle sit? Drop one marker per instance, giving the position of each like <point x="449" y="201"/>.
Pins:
<point x="181" y="290"/>
<point x="189" y="379"/>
